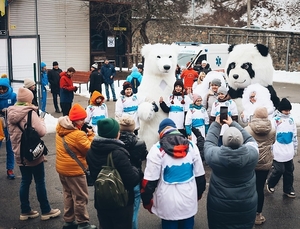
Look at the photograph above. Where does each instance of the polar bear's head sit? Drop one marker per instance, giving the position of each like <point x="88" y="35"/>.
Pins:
<point x="160" y="59"/>
<point x="249" y="64"/>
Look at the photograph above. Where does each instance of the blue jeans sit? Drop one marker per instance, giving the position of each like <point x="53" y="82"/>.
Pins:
<point x="10" y="157"/>
<point x="38" y="173"/>
<point x="44" y="99"/>
<point x="136" y="206"/>
<point x="178" y="224"/>
<point x="112" y="87"/>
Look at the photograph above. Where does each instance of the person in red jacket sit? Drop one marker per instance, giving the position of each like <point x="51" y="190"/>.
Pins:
<point x="189" y="75"/>
<point x="67" y="90"/>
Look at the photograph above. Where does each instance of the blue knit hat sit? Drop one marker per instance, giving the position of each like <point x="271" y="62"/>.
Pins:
<point x="164" y="123"/>
<point x="43" y="64"/>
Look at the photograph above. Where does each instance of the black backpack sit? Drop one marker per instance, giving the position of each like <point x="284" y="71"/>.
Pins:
<point x="32" y="146"/>
<point x="135" y="83"/>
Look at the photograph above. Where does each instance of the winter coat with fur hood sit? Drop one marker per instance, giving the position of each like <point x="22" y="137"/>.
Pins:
<point x="262" y="131"/>
<point x="18" y="114"/>
<point x="78" y="142"/>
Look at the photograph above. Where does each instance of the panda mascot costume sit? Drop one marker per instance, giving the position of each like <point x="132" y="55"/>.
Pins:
<point x="249" y="64"/>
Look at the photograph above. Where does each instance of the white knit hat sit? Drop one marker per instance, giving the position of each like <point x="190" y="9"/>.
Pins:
<point x="28" y="83"/>
<point x="95" y="65"/>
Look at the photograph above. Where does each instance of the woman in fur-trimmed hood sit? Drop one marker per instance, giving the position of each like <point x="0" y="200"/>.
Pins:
<point x="261" y="129"/>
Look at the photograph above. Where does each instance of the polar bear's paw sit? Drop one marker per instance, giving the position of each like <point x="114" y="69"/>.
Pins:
<point x="145" y="111"/>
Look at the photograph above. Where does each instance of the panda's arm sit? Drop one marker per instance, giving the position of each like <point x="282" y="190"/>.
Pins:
<point x="274" y="96"/>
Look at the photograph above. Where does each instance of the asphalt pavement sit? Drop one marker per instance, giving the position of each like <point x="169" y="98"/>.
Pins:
<point x="281" y="212"/>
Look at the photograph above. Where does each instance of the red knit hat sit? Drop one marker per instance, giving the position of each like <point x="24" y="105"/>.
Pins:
<point x="77" y="112"/>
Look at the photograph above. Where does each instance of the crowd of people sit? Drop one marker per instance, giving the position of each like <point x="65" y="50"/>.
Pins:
<point x="193" y="135"/>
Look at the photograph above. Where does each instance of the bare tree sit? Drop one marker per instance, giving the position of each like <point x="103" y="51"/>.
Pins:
<point x="110" y="14"/>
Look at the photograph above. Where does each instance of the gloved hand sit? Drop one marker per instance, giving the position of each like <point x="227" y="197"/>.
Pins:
<point x="155" y="107"/>
<point x="149" y="206"/>
<point x="47" y="87"/>
<point x="75" y="88"/>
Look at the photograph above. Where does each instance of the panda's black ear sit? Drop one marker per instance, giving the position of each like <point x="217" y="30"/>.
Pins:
<point x="231" y="48"/>
<point x="263" y="50"/>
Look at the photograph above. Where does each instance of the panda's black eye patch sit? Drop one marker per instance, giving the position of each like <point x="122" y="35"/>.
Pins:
<point x="158" y="57"/>
<point x="170" y="56"/>
<point x="245" y="66"/>
<point x="232" y="65"/>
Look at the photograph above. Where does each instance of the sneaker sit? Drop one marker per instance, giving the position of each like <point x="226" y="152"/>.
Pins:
<point x="70" y="225"/>
<point x="260" y="219"/>
<point x="270" y="190"/>
<point x="290" y="194"/>
<point x="107" y="100"/>
<point x="53" y="213"/>
<point x="57" y="111"/>
<point x="86" y="226"/>
<point x="10" y="174"/>
<point x="115" y="100"/>
<point x="32" y="214"/>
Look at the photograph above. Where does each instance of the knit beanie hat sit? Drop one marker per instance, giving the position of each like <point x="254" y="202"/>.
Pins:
<point x="233" y="138"/>
<point x="43" y="64"/>
<point x="134" y="69"/>
<point x="195" y="97"/>
<point x="260" y="112"/>
<point x="164" y="123"/>
<point x="55" y="63"/>
<point x="24" y="95"/>
<point x="95" y="65"/>
<point x="140" y="66"/>
<point x="28" y="83"/>
<point x="77" y="112"/>
<point x="284" y="105"/>
<point x="222" y="90"/>
<point x="4" y="75"/>
<point x="108" y="128"/>
<point x="216" y="82"/>
<point x="178" y="82"/>
<point x="126" y="85"/>
<point x="126" y="123"/>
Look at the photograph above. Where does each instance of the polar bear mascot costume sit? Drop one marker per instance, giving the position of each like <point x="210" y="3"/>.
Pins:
<point x="158" y="80"/>
<point x="249" y="64"/>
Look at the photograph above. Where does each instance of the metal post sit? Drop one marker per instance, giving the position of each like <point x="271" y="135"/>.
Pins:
<point x="248" y="13"/>
<point x="193" y="11"/>
<point x="38" y="53"/>
<point x="287" y="54"/>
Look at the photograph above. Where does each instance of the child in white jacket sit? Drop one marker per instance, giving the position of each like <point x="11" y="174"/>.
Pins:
<point x="284" y="150"/>
<point x="97" y="110"/>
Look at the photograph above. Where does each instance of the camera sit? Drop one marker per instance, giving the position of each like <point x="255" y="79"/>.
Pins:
<point x="85" y="127"/>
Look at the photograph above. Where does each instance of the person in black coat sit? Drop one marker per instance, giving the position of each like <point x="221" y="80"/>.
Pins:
<point x="108" y="142"/>
<point x="53" y="78"/>
<point x="138" y="152"/>
<point x="96" y="79"/>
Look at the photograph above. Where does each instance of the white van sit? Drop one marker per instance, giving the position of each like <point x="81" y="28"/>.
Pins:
<point x="215" y="54"/>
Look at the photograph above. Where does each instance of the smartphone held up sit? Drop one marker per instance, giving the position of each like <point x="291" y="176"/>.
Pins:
<point x="223" y="113"/>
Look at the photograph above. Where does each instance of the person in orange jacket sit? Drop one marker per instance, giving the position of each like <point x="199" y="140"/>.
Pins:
<point x="189" y="75"/>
